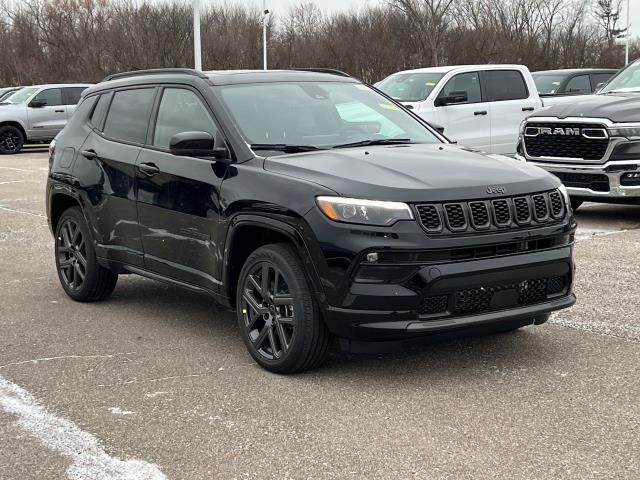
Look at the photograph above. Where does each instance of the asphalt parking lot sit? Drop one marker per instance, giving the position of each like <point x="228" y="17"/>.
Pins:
<point x="156" y="383"/>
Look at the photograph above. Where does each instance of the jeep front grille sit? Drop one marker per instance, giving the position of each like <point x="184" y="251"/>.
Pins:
<point x="490" y="215"/>
<point x="591" y="147"/>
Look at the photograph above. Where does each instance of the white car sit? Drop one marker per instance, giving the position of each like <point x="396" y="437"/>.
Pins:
<point x="36" y="114"/>
<point x="479" y="106"/>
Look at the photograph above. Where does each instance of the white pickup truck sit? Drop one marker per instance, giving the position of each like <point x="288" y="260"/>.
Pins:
<point x="479" y="106"/>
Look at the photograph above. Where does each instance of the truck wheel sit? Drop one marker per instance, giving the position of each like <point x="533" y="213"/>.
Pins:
<point x="80" y="274"/>
<point x="575" y="203"/>
<point x="11" y="140"/>
<point x="277" y="314"/>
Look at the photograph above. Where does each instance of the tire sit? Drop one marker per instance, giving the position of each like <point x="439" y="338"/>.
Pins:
<point x="11" y="140"/>
<point x="575" y="203"/>
<point x="80" y="274"/>
<point x="281" y="327"/>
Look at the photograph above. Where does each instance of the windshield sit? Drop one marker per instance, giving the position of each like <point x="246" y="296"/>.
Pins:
<point x="628" y="80"/>
<point x="548" y="84"/>
<point x="319" y="114"/>
<point x="21" y="96"/>
<point x="410" y="87"/>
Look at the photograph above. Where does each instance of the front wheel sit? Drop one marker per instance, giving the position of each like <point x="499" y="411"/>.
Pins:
<point x="11" y="140"/>
<point x="81" y="276"/>
<point x="277" y="314"/>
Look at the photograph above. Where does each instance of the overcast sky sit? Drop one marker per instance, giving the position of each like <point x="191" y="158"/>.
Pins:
<point x="331" y="5"/>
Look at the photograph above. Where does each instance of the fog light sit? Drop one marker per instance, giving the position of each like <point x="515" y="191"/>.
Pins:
<point x="631" y="179"/>
<point x="372" y="257"/>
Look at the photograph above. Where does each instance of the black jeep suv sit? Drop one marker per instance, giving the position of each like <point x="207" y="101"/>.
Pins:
<point x="315" y="205"/>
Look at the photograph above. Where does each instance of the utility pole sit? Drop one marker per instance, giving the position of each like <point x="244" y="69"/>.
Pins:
<point x="265" y="19"/>
<point x="197" y="46"/>
<point x="626" y="51"/>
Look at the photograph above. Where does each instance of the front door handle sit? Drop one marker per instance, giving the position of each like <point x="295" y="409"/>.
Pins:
<point x="59" y="111"/>
<point x="480" y="112"/>
<point x="89" y="154"/>
<point x="149" y="169"/>
<point x="528" y="109"/>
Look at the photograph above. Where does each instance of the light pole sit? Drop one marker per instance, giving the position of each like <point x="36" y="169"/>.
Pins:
<point x="265" y="19"/>
<point x="197" y="47"/>
<point x="626" y="51"/>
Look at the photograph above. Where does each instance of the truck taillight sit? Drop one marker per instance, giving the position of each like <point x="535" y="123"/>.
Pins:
<point x="52" y="151"/>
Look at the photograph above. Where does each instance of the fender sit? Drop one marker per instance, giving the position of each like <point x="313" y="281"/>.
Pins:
<point x="291" y="231"/>
<point x="60" y="187"/>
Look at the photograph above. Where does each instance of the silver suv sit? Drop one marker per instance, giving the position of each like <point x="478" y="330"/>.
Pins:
<point x="36" y="114"/>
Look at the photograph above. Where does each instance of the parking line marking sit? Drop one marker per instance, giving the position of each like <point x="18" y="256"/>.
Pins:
<point x="89" y="460"/>
<point x="25" y="170"/>
<point x="2" y="207"/>
<point x="63" y="357"/>
<point x="12" y="181"/>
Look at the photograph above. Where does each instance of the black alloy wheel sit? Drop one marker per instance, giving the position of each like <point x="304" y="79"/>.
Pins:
<point x="11" y="140"/>
<point x="267" y="307"/>
<point x="277" y="314"/>
<point x="72" y="254"/>
<point x="81" y="275"/>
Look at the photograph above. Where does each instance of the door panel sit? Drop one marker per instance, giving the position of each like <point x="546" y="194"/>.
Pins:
<point x="110" y="188"/>
<point x="468" y="122"/>
<point x="45" y="122"/>
<point x="179" y="211"/>
<point x="178" y="197"/>
<point x="511" y="102"/>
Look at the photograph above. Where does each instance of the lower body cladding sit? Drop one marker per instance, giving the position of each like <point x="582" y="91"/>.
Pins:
<point x="399" y="303"/>
<point x="612" y="182"/>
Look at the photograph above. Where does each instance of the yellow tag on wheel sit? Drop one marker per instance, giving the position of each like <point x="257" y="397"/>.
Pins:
<point x="244" y="311"/>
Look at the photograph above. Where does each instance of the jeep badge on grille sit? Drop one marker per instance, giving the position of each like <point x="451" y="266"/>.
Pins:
<point x="496" y="190"/>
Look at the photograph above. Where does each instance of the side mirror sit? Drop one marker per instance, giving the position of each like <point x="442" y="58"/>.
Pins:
<point x="437" y="128"/>
<point x="599" y="86"/>
<point x="37" y="103"/>
<point x="196" y="144"/>
<point x="453" y="98"/>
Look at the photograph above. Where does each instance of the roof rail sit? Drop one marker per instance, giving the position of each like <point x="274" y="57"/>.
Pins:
<point x="330" y="71"/>
<point x="156" y="71"/>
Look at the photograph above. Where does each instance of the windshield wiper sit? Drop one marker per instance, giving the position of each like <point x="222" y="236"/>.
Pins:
<point x="381" y="141"/>
<point x="283" y="147"/>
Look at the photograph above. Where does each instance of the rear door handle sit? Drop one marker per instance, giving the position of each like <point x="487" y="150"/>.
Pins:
<point x="89" y="154"/>
<point x="149" y="169"/>
<point x="480" y="112"/>
<point x="528" y="109"/>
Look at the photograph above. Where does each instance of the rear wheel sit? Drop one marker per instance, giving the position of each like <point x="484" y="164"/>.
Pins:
<point x="80" y="274"/>
<point x="11" y="140"/>
<point x="277" y="314"/>
<point x="575" y="203"/>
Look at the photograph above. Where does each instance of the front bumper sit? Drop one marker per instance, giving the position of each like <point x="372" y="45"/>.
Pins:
<point x="476" y="294"/>
<point x="606" y="181"/>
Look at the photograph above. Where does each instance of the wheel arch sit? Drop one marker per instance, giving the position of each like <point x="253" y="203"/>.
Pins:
<point x="246" y="234"/>
<point x="16" y="124"/>
<point x="59" y="202"/>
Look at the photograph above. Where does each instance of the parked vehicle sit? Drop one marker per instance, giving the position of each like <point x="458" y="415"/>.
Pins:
<point x="575" y="81"/>
<point x="36" y="114"/>
<point x="270" y="192"/>
<point x="479" y="106"/>
<point x="5" y="92"/>
<point x="593" y="146"/>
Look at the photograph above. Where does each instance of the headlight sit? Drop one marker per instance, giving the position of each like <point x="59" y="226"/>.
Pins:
<point x="632" y="131"/>
<point x="565" y="194"/>
<point x="522" y="124"/>
<point x="366" y="212"/>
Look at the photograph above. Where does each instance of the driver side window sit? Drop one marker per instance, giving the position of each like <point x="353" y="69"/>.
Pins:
<point x="181" y="110"/>
<point x="51" y="97"/>
<point x="468" y="83"/>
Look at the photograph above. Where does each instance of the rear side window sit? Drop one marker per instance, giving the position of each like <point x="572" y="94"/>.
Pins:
<point x="579" y="84"/>
<point x="180" y="111"/>
<point x="72" y="95"/>
<point x="600" y="78"/>
<point x="129" y="115"/>
<point x="51" y="97"/>
<point x="505" y="85"/>
<point x="101" y="108"/>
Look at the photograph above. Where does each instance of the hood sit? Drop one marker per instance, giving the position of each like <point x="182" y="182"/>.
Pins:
<point x="413" y="173"/>
<point x="617" y="107"/>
